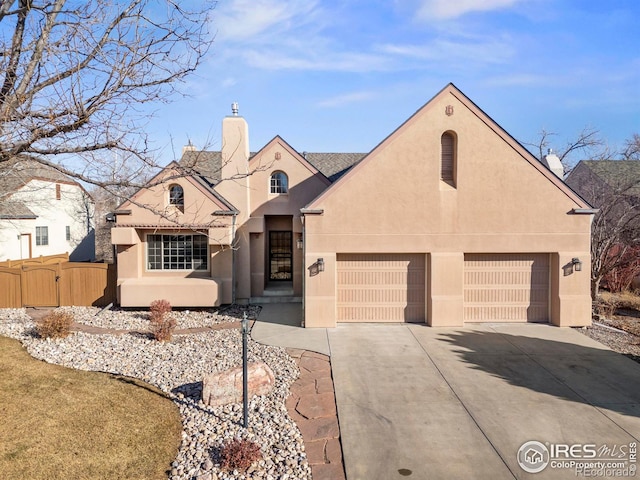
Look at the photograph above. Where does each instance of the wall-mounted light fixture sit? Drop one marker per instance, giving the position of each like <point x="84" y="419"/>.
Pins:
<point x="320" y="263"/>
<point x="577" y="264"/>
<point x="299" y="242"/>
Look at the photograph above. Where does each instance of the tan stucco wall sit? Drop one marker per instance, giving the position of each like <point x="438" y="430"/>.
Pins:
<point x="273" y="212"/>
<point x="150" y="206"/>
<point x="394" y="201"/>
<point x="138" y="285"/>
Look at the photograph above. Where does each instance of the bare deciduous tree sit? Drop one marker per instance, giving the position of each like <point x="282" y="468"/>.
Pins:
<point x="588" y="142"/>
<point x="631" y="149"/>
<point x="615" y="231"/>
<point x="77" y="74"/>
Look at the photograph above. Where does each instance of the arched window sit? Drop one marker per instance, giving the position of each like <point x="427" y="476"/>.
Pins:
<point x="448" y="158"/>
<point x="279" y="183"/>
<point x="176" y="196"/>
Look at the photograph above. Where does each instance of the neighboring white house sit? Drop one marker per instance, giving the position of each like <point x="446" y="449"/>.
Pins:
<point x="43" y="212"/>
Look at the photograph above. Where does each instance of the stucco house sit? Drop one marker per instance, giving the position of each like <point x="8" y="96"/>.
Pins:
<point x="448" y="220"/>
<point x="43" y="212"/>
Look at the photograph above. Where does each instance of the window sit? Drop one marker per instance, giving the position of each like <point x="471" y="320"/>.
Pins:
<point x="176" y="196"/>
<point x="177" y="252"/>
<point x="279" y="183"/>
<point x="58" y="193"/>
<point x="42" y="235"/>
<point x="68" y="232"/>
<point x="448" y="158"/>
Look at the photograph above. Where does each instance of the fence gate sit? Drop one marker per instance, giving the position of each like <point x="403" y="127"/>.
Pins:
<point x="40" y="286"/>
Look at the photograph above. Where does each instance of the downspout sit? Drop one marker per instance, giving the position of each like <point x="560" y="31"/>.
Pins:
<point x="303" y="264"/>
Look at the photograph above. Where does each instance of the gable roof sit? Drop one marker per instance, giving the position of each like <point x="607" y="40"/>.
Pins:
<point x="17" y="173"/>
<point x="451" y="89"/>
<point x="200" y="183"/>
<point x="333" y="165"/>
<point x="15" y="210"/>
<point x="209" y="163"/>
<point x="618" y="174"/>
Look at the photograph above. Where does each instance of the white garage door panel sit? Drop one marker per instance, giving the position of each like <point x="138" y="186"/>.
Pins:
<point x="381" y="288"/>
<point x="506" y="288"/>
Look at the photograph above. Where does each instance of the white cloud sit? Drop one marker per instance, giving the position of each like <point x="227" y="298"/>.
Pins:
<point x="340" y="100"/>
<point x="493" y="50"/>
<point x="525" y="80"/>
<point x="300" y="35"/>
<point x="246" y="19"/>
<point x="287" y="35"/>
<point x="324" y="60"/>
<point x="447" y="9"/>
<point x="228" y="82"/>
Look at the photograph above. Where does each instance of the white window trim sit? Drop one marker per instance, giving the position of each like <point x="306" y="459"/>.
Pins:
<point x="38" y="237"/>
<point x="276" y="194"/>
<point x="177" y="206"/>
<point x="167" y="270"/>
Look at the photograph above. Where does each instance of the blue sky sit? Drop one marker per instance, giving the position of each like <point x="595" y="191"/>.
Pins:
<point x="340" y="75"/>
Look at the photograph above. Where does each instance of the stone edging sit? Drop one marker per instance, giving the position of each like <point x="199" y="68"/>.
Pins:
<point x="312" y="406"/>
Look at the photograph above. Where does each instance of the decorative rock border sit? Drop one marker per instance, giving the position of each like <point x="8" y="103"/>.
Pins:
<point x="311" y="403"/>
<point x="312" y="407"/>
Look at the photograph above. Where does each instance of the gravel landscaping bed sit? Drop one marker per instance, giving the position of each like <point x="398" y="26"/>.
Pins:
<point x="177" y="367"/>
<point x="617" y="340"/>
<point x="133" y="320"/>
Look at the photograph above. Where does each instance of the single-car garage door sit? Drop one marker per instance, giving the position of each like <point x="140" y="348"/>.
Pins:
<point x="506" y="288"/>
<point x="381" y="288"/>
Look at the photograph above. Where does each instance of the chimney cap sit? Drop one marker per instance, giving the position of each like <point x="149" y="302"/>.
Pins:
<point x="234" y="109"/>
<point x="189" y="147"/>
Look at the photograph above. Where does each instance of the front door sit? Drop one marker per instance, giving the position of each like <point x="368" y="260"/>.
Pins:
<point x="280" y="255"/>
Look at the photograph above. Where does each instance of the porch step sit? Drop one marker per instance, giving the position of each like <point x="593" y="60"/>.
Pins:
<point x="275" y="299"/>
<point x="282" y="292"/>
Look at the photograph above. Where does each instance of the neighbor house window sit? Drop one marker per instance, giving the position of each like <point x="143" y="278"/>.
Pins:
<point x="176" y="196"/>
<point x="68" y="232"/>
<point x="448" y="158"/>
<point x="177" y="252"/>
<point x="279" y="183"/>
<point x="42" y="235"/>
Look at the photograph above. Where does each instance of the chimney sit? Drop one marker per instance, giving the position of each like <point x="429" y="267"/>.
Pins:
<point x="552" y="162"/>
<point x="234" y="184"/>
<point x="189" y="147"/>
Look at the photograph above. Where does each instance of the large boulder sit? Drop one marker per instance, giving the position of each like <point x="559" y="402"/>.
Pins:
<point x="221" y="388"/>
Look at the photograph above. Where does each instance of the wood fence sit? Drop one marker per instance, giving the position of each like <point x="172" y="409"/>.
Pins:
<point x="54" y="282"/>
<point x="41" y="260"/>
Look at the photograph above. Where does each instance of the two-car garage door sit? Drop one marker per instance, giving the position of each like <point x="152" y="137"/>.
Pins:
<point x="392" y="288"/>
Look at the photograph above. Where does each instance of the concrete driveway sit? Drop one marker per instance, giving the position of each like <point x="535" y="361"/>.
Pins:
<point x="424" y="403"/>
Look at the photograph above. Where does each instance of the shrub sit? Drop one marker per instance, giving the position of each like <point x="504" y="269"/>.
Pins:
<point x="162" y="324"/>
<point x="607" y="306"/>
<point x="239" y="455"/>
<point x="159" y="309"/>
<point x="163" y="330"/>
<point x="55" y="325"/>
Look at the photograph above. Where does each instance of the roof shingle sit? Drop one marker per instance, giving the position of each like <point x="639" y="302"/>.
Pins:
<point x="209" y="163"/>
